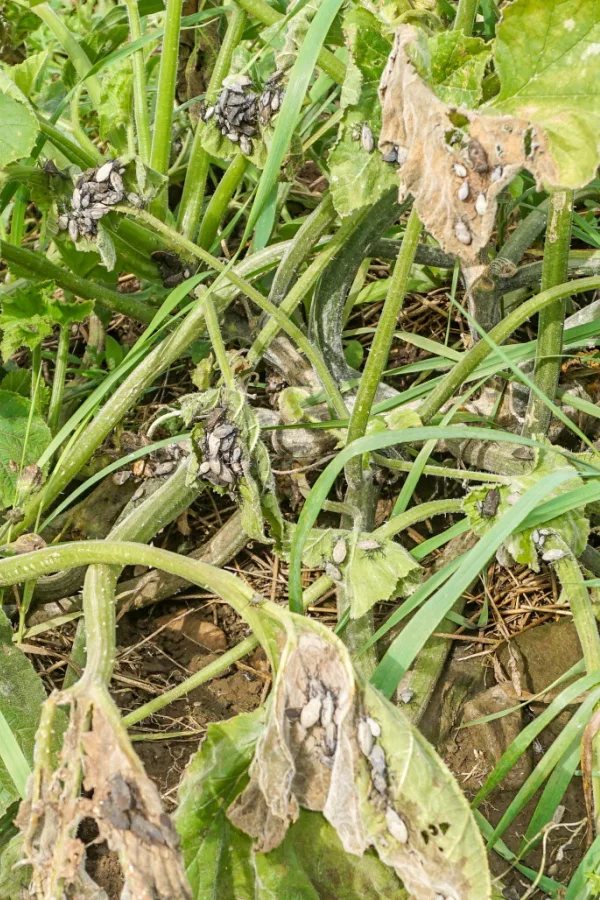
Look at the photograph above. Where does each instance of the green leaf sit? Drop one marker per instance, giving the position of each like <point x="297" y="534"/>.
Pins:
<point x="310" y="864"/>
<point x="14" y="878"/>
<point x="19" y="129"/>
<point x="23" y="437"/>
<point x="358" y="177"/>
<point x="27" y="74"/>
<point x="214" y="852"/>
<point x="572" y="527"/>
<point x="29" y="315"/>
<point x="21" y="697"/>
<point x="116" y="99"/>
<point x="372" y="570"/>
<point x="547" y="56"/>
<point x="334" y="746"/>
<point x="452" y="64"/>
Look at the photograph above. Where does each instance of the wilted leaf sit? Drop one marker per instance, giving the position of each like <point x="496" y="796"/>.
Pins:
<point x="117" y="794"/>
<point x="452" y="64"/>
<point x="255" y="485"/>
<point x="484" y="504"/>
<point x="310" y="864"/>
<point x="29" y="315"/>
<point x="548" y="59"/>
<point x="331" y="746"/>
<point x="456" y="160"/>
<point x="359" y="176"/>
<point x="23" y="437"/>
<point x="19" y="129"/>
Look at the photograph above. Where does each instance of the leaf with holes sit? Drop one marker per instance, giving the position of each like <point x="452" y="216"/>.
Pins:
<point x="309" y="864"/>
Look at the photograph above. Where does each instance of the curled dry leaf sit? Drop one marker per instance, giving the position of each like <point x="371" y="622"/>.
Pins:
<point x="119" y="797"/>
<point x="447" y="147"/>
<point x="331" y="746"/>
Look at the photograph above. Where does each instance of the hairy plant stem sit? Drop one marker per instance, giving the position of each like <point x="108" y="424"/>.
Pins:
<point x="551" y="319"/>
<point x="266" y="14"/>
<point x="465" y="16"/>
<point x="359" y="492"/>
<point x="231" y="589"/>
<point x="308" y="235"/>
<point x="214" y="669"/>
<point x="78" y="131"/>
<point x="72" y="48"/>
<point x="382" y="342"/>
<point x="474" y="357"/>
<point x="163" y="113"/>
<point x="141" y="523"/>
<point x="181" y="243"/>
<point x="138" y="67"/>
<point x="402" y="465"/>
<point x="216" y="340"/>
<point x="197" y="170"/>
<point x="157" y="361"/>
<point x="417" y="514"/>
<point x="309" y="278"/>
<point x="58" y="379"/>
<point x="218" y="203"/>
<point x="41" y="267"/>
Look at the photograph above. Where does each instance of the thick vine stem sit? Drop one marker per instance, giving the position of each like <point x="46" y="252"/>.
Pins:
<point x="360" y="493"/>
<point x="382" y="342"/>
<point x="195" y="180"/>
<point x="37" y="264"/>
<point x="551" y="319"/>
<point x="474" y="357"/>
<point x="72" y="48"/>
<point x="163" y="114"/>
<point x="141" y="523"/>
<point x="218" y="203"/>
<point x="465" y="15"/>
<point x="157" y="361"/>
<point x="138" y="66"/>
<point x="231" y="589"/>
<point x="181" y="243"/>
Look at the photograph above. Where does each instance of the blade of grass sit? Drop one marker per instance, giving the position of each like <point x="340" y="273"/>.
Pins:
<point x="289" y="114"/>
<point x="401" y="654"/>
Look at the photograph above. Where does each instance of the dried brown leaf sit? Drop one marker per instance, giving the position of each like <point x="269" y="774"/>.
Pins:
<point x="456" y="160"/>
<point x="330" y="745"/>
<point x="118" y="796"/>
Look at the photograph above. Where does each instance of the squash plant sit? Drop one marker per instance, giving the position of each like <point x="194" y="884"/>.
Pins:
<point x="111" y="162"/>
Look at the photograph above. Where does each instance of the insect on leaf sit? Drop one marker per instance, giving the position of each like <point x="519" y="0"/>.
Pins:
<point x="309" y="864"/>
<point x="334" y="746"/>
<point x="359" y="176"/>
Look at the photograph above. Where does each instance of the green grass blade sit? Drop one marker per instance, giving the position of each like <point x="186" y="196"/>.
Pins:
<point x="291" y="107"/>
<point x="552" y="794"/>
<point x="579" y="887"/>
<point x="406" y="646"/>
<point x="13" y="758"/>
